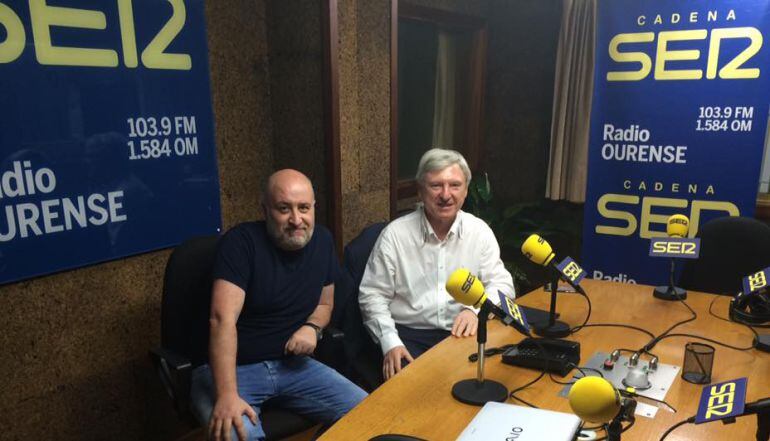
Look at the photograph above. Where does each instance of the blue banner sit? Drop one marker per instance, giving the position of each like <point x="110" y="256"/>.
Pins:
<point x="106" y="131"/>
<point x="678" y="122"/>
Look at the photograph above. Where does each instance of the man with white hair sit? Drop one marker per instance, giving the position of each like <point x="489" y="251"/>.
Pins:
<point x="403" y="299"/>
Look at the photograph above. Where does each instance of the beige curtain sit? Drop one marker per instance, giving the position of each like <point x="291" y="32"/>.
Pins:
<point x="445" y="102"/>
<point x="568" y="163"/>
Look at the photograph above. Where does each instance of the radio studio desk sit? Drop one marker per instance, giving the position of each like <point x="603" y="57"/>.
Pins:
<point x="418" y="401"/>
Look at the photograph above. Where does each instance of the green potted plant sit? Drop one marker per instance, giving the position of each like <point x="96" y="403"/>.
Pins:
<point x="559" y="222"/>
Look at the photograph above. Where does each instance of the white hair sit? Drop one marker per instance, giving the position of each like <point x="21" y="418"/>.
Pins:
<point x="437" y="159"/>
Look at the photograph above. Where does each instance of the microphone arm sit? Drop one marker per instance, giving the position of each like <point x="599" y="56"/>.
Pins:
<point x="553" y="328"/>
<point x="763" y="426"/>
<point x="760" y="408"/>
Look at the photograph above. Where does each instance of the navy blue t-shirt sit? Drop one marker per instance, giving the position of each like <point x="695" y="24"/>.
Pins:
<point x="282" y="287"/>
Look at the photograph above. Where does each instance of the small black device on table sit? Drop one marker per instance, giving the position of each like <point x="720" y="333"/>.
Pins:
<point x="545" y="354"/>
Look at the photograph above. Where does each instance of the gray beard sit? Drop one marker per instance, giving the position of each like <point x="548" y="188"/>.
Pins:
<point x="283" y="242"/>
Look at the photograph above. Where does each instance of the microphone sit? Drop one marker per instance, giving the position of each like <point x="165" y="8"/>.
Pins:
<point x="539" y="251"/>
<point x="468" y="290"/>
<point x="594" y="399"/>
<point x="678" y="226"/>
<point x="536" y="249"/>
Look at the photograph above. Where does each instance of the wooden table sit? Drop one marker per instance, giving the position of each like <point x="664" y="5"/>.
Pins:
<point x="418" y="400"/>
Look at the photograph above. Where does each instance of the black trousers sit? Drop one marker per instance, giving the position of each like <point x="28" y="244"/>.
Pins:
<point x="418" y="341"/>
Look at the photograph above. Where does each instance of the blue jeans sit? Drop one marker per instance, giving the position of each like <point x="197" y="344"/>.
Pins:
<point x="299" y="384"/>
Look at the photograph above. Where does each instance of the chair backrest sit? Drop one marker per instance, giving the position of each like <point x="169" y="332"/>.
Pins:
<point x="187" y="298"/>
<point x="358" y="250"/>
<point x="731" y="248"/>
<point x="363" y="359"/>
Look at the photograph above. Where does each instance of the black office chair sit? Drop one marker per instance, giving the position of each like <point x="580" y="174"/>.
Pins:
<point x="361" y="361"/>
<point x="185" y="334"/>
<point x="731" y="248"/>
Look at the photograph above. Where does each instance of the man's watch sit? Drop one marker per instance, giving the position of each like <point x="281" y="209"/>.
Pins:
<point x="318" y="331"/>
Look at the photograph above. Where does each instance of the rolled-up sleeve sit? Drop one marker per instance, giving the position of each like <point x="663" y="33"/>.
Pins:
<point x="376" y="293"/>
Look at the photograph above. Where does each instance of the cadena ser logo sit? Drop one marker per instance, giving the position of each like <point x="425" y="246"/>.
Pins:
<point x="46" y="19"/>
<point x="513" y="310"/>
<point x="675" y="247"/>
<point x="755" y="282"/>
<point x="468" y="283"/>
<point x="661" y="52"/>
<point x="722" y="400"/>
<point x="571" y="270"/>
<point x="627" y="217"/>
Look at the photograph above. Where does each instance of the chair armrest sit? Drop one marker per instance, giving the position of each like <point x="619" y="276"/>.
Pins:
<point x="333" y="333"/>
<point x="175" y="372"/>
<point x="330" y="350"/>
<point x="174" y="360"/>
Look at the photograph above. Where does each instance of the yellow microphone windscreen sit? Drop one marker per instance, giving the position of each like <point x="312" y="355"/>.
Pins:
<point x="536" y="249"/>
<point x="466" y="288"/>
<point x="678" y="226"/>
<point x="594" y="399"/>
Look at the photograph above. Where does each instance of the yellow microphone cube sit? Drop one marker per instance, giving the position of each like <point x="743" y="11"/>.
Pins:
<point x="678" y="226"/>
<point x="538" y="250"/>
<point x="594" y="399"/>
<point x="466" y="288"/>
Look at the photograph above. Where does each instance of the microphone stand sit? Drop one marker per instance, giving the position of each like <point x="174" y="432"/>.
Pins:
<point x="626" y="413"/>
<point x="762" y="409"/>
<point x="480" y="391"/>
<point x="763" y="425"/>
<point x="553" y="328"/>
<point x="670" y="292"/>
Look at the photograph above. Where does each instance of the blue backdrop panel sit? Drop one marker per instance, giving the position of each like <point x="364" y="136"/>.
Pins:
<point x="106" y="132"/>
<point x="677" y="125"/>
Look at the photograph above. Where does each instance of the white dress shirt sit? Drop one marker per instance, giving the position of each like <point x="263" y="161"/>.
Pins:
<point x="405" y="277"/>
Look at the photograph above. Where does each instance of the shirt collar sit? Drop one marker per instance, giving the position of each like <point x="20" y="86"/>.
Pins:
<point x="427" y="230"/>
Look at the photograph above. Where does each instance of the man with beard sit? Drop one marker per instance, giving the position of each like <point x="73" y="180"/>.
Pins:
<point x="273" y="294"/>
<point x="403" y="298"/>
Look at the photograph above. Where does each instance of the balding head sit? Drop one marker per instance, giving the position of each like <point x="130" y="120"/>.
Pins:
<point x="283" y="179"/>
<point x="289" y="205"/>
